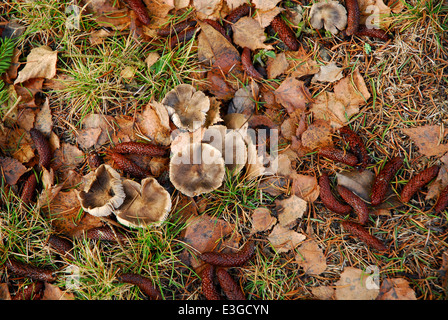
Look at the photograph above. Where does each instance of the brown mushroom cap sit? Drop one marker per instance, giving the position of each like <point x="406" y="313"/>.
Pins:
<point x="332" y="15"/>
<point x="146" y="203"/>
<point x="103" y="192"/>
<point x="187" y="107"/>
<point x="198" y="168"/>
<point x="230" y="143"/>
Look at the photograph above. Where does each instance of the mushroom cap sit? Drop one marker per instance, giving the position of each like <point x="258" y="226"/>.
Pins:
<point x="187" y="107"/>
<point x="198" y="168"/>
<point x="103" y="192"/>
<point x="332" y="15"/>
<point x="230" y="143"/>
<point x="145" y="203"/>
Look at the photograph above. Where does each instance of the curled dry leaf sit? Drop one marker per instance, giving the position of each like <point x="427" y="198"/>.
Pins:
<point x="293" y="95"/>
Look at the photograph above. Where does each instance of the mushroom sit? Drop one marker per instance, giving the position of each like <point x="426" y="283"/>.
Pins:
<point x="332" y="15"/>
<point x="146" y="203"/>
<point x="103" y="192"/>
<point x="198" y="168"/>
<point x="187" y="107"/>
<point x="230" y="143"/>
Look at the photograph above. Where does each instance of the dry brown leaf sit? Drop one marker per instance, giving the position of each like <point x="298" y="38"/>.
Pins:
<point x="67" y="157"/>
<point x="323" y="292"/>
<point x="4" y="292"/>
<point x="19" y="144"/>
<point x="355" y="284"/>
<point x="317" y="135"/>
<point x="290" y="209"/>
<point x="265" y="17"/>
<point x="262" y="220"/>
<point x="40" y="63"/>
<point x="277" y="66"/>
<point x="396" y="289"/>
<point x="352" y="90"/>
<point x="328" y="73"/>
<point x="11" y="170"/>
<point x="151" y="59"/>
<point x="62" y="208"/>
<point x="265" y="4"/>
<point x="105" y="123"/>
<point x="25" y="118"/>
<point x="441" y="180"/>
<point x="203" y="233"/>
<point x="44" y="122"/>
<point x="87" y="138"/>
<point x="327" y="107"/>
<point x="206" y="7"/>
<point x="26" y="92"/>
<point x="311" y="258"/>
<point x="301" y="63"/>
<point x="51" y="292"/>
<point x="247" y="32"/>
<point x="359" y="182"/>
<point x="245" y="99"/>
<point x="293" y="95"/>
<point x="284" y="239"/>
<point x="305" y="187"/>
<point x="428" y="139"/>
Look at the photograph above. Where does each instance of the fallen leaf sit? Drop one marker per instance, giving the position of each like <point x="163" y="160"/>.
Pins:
<point x="326" y="107"/>
<point x="290" y="209"/>
<point x="311" y="258"/>
<point x="62" y="208"/>
<point x="352" y="90"/>
<point x="87" y="138"/>
<point x="374" y="12"/>
<point x="244" y="100"/>
<point x="247" y="32"/>
<point x="40" y="63"/>
<point x="11" y="170"/>
<point x="323" y="292"/>
<point x="4" y="292"/>
<point x="203" y="233"/>
<point x="354" y="285"/>
<point x="293" y="95"/>
<point x="305" y="187"/>
<point x="396" y="289"/>
<point x="265" y="4"/>
<point x="67" y="157"/>
<point x="317" y="135"/>
<point x="98" y="121"/>
<point x="328" y="73"/>
<point x="265" y="17"/>
<point x="207" y="7"/>
<point x="284" y="239"/>
<point x="428" y="139"/>
<point x="277" y="66"/>
<point x="301" y="63"/>
<point x="262" y="220"/>
<point x="359" y="182"/>
<point x="151" y="58"/>
<point x="44" y="121"/>
<point x="51" y="292"/>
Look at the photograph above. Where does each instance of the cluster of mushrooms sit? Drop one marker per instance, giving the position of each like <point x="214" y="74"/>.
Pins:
<point x="201" y="152"/>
